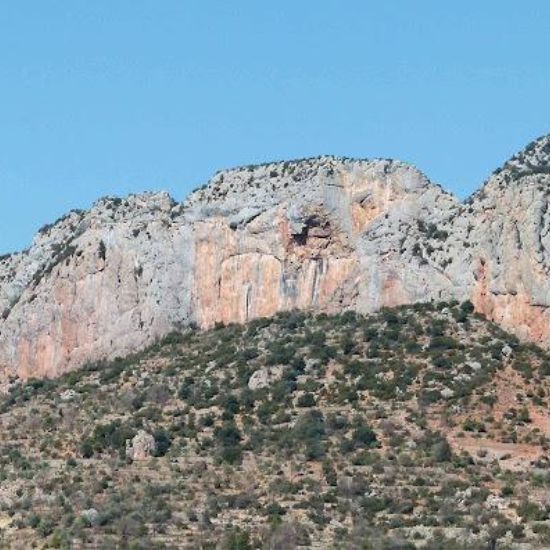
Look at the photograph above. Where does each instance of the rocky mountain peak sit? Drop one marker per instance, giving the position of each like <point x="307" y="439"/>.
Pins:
<point x="530" y="161"/>
<point x="526" y="174"/>
<point x="304" y="181"/>
<point x="324" y="234"/>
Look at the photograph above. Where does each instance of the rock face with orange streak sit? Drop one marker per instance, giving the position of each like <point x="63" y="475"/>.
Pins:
<point x="512" y="220"/>
<point x="96" y="284"/>
<point x="324" y="234"/>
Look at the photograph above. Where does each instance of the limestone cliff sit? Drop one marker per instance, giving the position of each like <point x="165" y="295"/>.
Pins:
<point x="326" y="233"/>
<point x="512" y="267"/>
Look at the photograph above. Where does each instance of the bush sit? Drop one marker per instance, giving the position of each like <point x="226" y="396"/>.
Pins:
<point x="229" y="438"/>
<point x="236" y="539"/>
<point x="107" y="436"/>
<point x="162" y="442"/>
<point x="443" y="343"/>
<point x="330" y="473"/>
<point x="306" y="400"/>
<point x="310" y="425"/>
<point x="45" y="527"/>
<point x="230" y="405"/>
<point x="530" y="511"/>
<point x="309" y="433"/>
<point x="231" y="455"/>
<point x="228" y="434"/>
<point x="441" y="450"/>
<point x="363" y="436"/>
<point x="314" y="449"/>
<point x="87" y="449"/>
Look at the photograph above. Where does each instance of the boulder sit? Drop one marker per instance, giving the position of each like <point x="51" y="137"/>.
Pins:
<point x="141" y="447"/>
<point x="264" y="377"/>
<point x="68" y="395"/>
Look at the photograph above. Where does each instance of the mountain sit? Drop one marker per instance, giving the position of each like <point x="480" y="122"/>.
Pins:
<point x="326" y="234"/>
<point x="421" y="426"/>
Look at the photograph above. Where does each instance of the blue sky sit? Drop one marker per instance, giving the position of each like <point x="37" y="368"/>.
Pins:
<point x="119" y="96"/>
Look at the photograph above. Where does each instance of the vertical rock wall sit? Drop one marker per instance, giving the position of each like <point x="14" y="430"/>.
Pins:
<point x="323" y="234"/>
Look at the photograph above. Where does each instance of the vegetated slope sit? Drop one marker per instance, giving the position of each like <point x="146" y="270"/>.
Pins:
<point x="419" y="426"/>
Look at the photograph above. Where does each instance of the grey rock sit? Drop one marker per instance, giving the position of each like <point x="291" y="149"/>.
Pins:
<point x="141" y="447"/>
<point x="326" y="234"/>
<point x="265" y="377"/>
<point x="447" y="393"/>
<point x="68" y="395"/>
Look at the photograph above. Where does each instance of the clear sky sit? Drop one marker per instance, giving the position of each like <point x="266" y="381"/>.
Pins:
<point x="116" y="96"/>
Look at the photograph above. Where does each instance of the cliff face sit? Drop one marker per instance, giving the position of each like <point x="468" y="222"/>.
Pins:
<point x="327" y="234"/>
<point x="96" y="284"/>
<point x="512" y="267"/>
<point x="324" y="234"/>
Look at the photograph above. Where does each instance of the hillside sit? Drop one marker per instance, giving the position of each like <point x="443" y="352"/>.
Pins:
<point x="323" y="235"/>
<point x="423" y="426"/>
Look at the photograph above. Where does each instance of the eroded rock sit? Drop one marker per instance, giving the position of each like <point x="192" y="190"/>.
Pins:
<point x="326" y="234"/>
<point x="265" y="377"/>
<point x="141" y="447"/>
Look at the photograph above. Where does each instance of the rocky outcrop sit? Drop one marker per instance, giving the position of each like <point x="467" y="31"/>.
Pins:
<point x="324" y="234"/>
<point x="141" y="447"/>
<point x="265" y="377"/>
<point x="93" y="288"/>
<point x="512" y="227"/>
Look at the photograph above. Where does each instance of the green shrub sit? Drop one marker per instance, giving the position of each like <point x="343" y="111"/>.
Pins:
<point x="162" y="442"/>
<point x="306" y="400"/>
